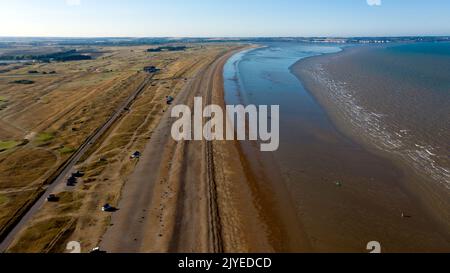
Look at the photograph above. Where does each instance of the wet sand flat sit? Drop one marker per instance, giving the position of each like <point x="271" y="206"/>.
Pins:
<point x="349" y="190"/>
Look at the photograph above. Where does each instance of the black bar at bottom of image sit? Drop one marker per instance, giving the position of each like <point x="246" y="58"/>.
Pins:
<point x="220" y="262"/>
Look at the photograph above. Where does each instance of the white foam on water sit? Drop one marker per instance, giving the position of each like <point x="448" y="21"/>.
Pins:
<point x="373" y="125"/>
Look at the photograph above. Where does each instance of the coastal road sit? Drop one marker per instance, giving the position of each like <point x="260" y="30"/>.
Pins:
<point x="68" y="167"/>
<point x="168" y="203"/>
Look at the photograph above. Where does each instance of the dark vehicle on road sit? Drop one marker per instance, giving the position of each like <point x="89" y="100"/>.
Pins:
<point x="78" y="174"/>
<point x="71" y="181"/>
<point x="52" y="198"/>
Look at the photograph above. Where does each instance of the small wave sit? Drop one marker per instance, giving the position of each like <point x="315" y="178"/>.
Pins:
<point x="374" y="127"/>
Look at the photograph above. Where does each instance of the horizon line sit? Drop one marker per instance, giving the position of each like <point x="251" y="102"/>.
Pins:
<point x="224" y="37"/>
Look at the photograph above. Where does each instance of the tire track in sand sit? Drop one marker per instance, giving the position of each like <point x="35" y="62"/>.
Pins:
<point x="169" y="203"/>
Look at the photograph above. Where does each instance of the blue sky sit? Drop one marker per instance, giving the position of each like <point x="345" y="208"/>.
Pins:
<point x="223" y="18"/>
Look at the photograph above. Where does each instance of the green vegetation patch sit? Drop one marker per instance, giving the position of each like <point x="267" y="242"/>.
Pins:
<point x="3" y="199"/>
<point x="6" y="145"/>
<point x="45" y="137"/>
<point x="3" y="102"/>
<point x="66" y="150"/>
<point x="39" y="237"/>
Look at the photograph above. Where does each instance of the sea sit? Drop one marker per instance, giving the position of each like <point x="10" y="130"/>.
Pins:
<point x="351" y="183"/>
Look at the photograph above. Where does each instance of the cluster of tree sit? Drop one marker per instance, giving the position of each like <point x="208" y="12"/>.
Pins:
<point x="167" y="48"/>
<point x="23" y="82"/>
<point x="70" y="55"/>
<point x="16" y="57"/>
<point x="43" y="72"/>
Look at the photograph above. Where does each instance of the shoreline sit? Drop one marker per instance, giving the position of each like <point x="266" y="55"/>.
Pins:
<point x="432" y="198"/>
<point x="267" y="221"/>
<point x="196" y="196"/>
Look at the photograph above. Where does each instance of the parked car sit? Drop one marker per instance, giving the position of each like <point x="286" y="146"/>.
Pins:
<point x="52" y="198"/>
<point x="97" y="250"/>
<point x="78" y="174"/>
<point x="169" y="100"/>
<point x="71" y="181"/>
<point x="135" y="155"/>
<point x="108" y="208"/>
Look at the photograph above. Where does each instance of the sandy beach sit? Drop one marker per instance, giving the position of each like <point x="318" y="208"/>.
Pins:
<point x="200" y="196"/>
<point x="256" y="210"/>
<point x="325" y="190"/>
